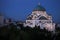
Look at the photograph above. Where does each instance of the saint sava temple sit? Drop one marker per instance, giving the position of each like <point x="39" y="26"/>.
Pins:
<point x="38" y="17"/>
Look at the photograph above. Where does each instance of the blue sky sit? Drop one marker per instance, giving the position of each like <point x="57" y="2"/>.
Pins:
<point x="19" y="9"/>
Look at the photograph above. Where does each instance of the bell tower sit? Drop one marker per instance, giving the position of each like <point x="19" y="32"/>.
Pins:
<point x="1" y="19"/>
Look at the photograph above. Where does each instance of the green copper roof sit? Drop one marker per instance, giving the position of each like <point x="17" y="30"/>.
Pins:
<point x="39" y="8"/>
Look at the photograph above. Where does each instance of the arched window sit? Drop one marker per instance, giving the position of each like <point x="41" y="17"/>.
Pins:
<point x="43" y="18"/>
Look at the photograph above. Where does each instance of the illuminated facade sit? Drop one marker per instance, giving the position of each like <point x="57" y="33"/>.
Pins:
<point x="39" y="17"/>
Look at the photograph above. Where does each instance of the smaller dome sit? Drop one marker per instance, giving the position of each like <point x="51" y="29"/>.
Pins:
<point x="43" y="18"/>
<point x="39" y="8"/>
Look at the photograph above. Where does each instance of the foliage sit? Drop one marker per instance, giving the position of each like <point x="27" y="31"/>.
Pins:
<point x="11" y="32"/>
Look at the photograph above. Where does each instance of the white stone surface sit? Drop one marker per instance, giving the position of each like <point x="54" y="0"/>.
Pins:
<point x="47" y="24"/>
